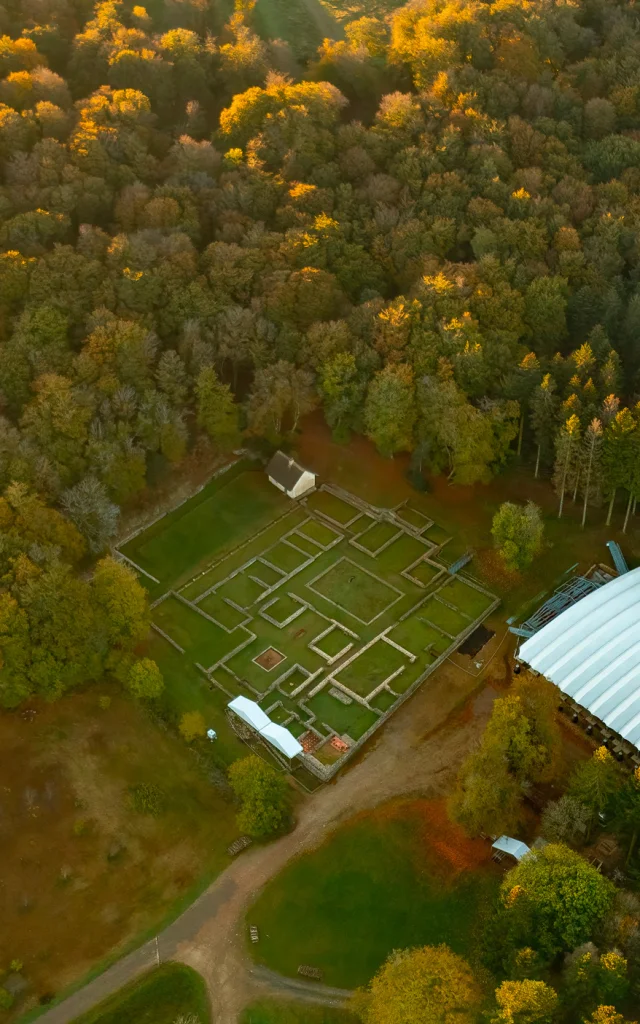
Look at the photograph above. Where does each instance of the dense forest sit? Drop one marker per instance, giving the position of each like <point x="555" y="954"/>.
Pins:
<point x="427" y="224"/>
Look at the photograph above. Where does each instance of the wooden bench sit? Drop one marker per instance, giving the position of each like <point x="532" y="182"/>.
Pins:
<point x="238" y="845"/>
<point x="310" y="972"/>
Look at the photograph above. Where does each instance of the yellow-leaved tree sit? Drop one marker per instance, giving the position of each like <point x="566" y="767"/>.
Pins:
<point x="426" y="985"/>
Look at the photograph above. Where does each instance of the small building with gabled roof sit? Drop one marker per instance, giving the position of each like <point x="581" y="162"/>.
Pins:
<point x="288" y="476"/>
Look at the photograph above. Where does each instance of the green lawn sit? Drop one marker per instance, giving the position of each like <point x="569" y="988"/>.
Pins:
<point x="186" y="689"/>
<point x="466" y="598"/>
<point x="285" y="557"/>
<point x="202" y="640"/>
<point x="270" y="1011"/>
<point x="377" y="535"/>
<point x="241" y="589"/>
<point x="371" y="668"/>
<point x="227" y="511"/>
<point x="426" y="574"/>
<point x="369" y="889"/>
<point x="443" y="617"/>
<point x="156" y="998"/>
<point x="349" y="587"/>
<point x="415" y="635"/>
<point x="249" y="548"/>
<point x="226" y="614"/>
<point x="353" y="719"/>
<point x="301" y="23"/>
<point x="413" y="517"/>
<point x="334" y="642"/>
<point x="283" y="607"/>
<point x="317" y="531"/>
<point x="332" y="506"/>
<point x="383" y="700"/>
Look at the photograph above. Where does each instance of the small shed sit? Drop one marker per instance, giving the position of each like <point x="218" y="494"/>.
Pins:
<point x="514" y="847"/>
<point x="288" y="476"/>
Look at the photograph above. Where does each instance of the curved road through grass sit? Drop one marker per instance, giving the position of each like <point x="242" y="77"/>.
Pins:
<point x="418" y="752"/>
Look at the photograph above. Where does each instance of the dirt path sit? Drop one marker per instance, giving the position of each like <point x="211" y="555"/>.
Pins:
<point x="418" y="752"/>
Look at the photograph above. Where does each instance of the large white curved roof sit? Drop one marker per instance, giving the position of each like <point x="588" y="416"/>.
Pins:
<point x="592" y="653"/>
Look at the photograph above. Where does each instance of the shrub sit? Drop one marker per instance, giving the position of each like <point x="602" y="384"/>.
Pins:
<point x="147" y="798"/>
<point x="6" y="999"/>
<point x="192" y="724"/>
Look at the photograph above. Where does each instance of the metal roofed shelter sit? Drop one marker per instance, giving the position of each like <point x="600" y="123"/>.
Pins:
<point x="513" y="847"/>
<point x="288" y="476"/>
<point x="591" y="651"/>
<point x="277" y="735"/>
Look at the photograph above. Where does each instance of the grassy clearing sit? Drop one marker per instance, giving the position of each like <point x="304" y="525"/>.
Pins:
<point x="244" y="552"/>
<point x="202" y="640"/>
<point x="227" y="511"/>
<point x="443" y="617"/>
<point x="425" y="573"/>
<point x="84" y="854"/>
<point x="349" y="587"/>
<point x="301" y="23"/>
<point x="303" y="542"/>
<point x="334" y="642"/>
<point x="214" y="605"/>
<point x="293" y="681"/>
<point x="283" y="607"/>
<point x="413" y="517"/>
<point x="284" y="557"/>
<point x="156" y="998"/>
<point x="384" y="700"/>
<point x="371" y="668"/>
<point x="186" y="689"/>
<point x="362" y="524"/>
<point x="400" y="554"/>
<point x="264" y="573"/>
<point x="437" y="534"/>
<point x="353" y="719"/>
<point x="377" y="535"/>
<point x="332" y="506"/>
<point x="241" y="589"/>
<point x="373" y="886"/>
<point x="466" y="598"/>
<point x="271" y="1011"/>
<point x="292" y="641"/>
<point x="416" y="635"/>
<point x="317" y="531"/>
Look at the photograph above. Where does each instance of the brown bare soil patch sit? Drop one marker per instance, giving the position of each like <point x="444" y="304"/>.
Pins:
<point x="81" y="872"/>
<point x="269" y="659"/>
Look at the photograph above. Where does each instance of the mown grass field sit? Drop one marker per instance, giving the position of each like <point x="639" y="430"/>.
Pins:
<point x="272" y="1011"/>
<point x="378" y="883"/>
<point x="157" y="998"/>
<point x="228" y="510"/>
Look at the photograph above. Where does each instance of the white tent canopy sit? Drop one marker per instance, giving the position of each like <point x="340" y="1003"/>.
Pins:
<point x="277" y="735"/>
<point x="250" y="712"/>
<point x="592" y="653"/>
<point x="511" y="846"/>
<point x="281" y="739"/>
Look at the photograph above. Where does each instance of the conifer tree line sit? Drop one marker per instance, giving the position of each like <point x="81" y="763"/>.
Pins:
<point x="427" y="225"/>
